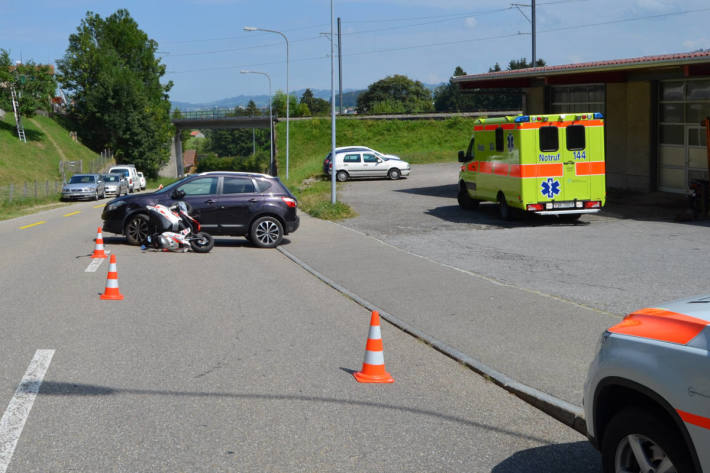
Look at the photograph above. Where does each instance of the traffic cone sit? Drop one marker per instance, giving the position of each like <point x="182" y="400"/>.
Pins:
<point x="99" y="250"/>
<point x="373" y="368"/>
<point x="112" y="293"/>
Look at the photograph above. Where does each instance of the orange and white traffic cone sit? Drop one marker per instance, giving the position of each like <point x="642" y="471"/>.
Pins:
<point x="99" y="250"/>
<point x="112" y="293"/>
<point x="373" y="368"/>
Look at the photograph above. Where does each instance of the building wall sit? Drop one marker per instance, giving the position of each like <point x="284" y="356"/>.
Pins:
<point x="628" y="128"/>
<point x="628" y="135"/>
<point x="534" y="101"/>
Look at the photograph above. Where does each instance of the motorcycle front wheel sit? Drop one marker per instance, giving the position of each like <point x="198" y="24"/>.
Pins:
<point x="202" y="242"/>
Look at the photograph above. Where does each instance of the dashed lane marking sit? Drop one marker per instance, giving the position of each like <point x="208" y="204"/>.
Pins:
<point x="100" y="205"/>
<point x="95" y="263"/>
<point x="17" y="412"/>
<point x="72" y="213"/>
<point x="33" y="224"/>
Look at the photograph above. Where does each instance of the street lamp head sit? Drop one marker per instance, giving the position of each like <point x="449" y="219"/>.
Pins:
<point x="250" y="28"/>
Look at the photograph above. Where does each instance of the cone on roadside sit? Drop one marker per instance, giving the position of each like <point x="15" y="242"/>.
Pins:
<point x="373" y="368"/>
<point x="112" y="293"/>
<point x="99" y="249"/>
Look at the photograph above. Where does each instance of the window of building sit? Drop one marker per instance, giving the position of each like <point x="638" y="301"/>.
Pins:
<point x="575" y="138"/>
<point x="549" y="139"/>
<point x="499" y="139"/>
<point x="578" y="98"/>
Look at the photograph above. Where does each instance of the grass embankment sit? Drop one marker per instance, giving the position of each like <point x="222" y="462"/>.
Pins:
<point x="36" y="161"/>
<point x="415" y="141"/>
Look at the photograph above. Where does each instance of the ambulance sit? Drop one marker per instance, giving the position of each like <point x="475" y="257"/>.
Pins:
<point x="541" y="164"/>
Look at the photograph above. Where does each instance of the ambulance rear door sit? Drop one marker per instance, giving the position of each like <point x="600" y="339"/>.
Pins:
<point x="576" y="158"/>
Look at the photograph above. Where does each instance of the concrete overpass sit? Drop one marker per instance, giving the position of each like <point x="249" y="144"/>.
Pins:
<point x="216" y="119"/>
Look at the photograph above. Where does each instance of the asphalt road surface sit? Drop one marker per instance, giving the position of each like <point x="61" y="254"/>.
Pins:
<point x="611" y="263"/>
<point x="236" y="360"/>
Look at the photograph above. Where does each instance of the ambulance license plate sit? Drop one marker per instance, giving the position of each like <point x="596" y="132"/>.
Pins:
<point x="563" y="205"/>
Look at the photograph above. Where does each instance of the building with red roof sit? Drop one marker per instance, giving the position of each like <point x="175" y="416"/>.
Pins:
<point x="653" y="107"/>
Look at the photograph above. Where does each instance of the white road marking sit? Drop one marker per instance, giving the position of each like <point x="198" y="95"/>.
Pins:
<point x="13" y="421"/>
<point x="95" y="264"/>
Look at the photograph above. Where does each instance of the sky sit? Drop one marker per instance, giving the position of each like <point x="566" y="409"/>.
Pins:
<point x="204" y="47"/>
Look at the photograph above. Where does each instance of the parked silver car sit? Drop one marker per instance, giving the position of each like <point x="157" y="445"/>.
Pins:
<point x="351" y="163"/>
<point x="84" y="186"/>
<point x="115" y="184"/>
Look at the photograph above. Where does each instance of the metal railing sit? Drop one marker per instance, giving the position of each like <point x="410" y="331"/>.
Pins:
<point x="216" y="113"/>
<point x="27" y="191"/>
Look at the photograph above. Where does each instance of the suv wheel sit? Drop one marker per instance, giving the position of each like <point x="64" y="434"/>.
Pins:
<point x="639" y="440"/>
<point x="136" y="229"/>
<point x="341" y="176"/>
<point x="394" y="174"/>
<point x="266" y="232"/>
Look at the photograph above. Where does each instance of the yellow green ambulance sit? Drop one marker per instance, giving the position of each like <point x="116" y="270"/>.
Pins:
<point x="542" y="164"/>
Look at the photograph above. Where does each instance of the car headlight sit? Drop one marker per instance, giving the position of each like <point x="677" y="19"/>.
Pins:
<point x="114" y="205"/>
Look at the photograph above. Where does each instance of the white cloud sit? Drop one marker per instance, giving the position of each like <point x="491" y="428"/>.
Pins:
<point x="694" y="44"/>
<point x="470" y="22"/>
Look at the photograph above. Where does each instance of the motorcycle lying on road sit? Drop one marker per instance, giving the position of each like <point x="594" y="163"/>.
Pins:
<point x="175" y="230"/>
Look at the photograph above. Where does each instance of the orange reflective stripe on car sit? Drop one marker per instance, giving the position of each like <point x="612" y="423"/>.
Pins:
<point x="533" y="125"/>
<point x="694" y="419"/>
<point x="660" y="324"/>
<point x="590" y="168"/>
<point x="517" y="170"/>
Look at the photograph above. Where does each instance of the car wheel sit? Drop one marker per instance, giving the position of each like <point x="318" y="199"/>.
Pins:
<point x="266" y="232"/>
<point x="342" y="176"/>
<point x="503" y="208"/>
<point x="394" y="174"/>
<point x="103" y="194"/>
<point x="202" y="243"/>
<point x="640" y="440"/>
<point x="96" y="196"/>
<point x="465" y="200"/>
<point x="136" y="229"/>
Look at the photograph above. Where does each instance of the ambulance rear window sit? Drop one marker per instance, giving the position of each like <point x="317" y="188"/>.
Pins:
<point x="549" y="139"/>
<point x="575" y="137"/>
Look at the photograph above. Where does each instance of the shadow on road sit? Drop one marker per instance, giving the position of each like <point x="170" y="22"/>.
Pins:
<point x="577" y="457"/>
<point x="447" y="190"/>
<point x="221" y="242"/>
<point x="55" y="388"/>
<point x="487" y="214"/>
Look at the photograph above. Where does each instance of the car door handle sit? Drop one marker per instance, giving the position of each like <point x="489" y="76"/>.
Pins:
<point x="210" y="201"/>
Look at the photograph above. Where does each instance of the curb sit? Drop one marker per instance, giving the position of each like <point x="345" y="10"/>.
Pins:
<point x="563" y="411"/>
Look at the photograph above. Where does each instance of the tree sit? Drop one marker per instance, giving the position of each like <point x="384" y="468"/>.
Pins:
<point x="448" y="97"/>
<point x="278" y="104"/>
<point x="523" y="63"/>
<point x="315" y="105"/>
<point x="252" y="109"/>
<point x="34" y="84"/>
<point x="113" y="77"/>
<point x="396" y="92"/>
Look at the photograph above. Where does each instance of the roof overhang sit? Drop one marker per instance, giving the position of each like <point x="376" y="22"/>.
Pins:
<point x="618" y="70"/>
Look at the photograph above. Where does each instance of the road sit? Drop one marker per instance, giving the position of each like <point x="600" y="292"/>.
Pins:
<point x="236" y="360"/>
<point x="606" y="262"/>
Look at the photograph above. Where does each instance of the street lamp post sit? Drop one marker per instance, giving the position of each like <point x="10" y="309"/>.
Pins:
<point x="271" y="120"/>
<point x="253" y="28"/>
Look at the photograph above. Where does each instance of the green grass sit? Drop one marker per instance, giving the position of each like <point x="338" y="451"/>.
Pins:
<point x="416" y="141"/>
<point x="36" y="161"/>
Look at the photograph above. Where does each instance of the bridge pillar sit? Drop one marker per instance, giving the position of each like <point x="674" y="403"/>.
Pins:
<point x="178" y="154"/>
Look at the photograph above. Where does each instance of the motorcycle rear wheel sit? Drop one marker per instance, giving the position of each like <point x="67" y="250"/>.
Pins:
<point x="202" y="242"/>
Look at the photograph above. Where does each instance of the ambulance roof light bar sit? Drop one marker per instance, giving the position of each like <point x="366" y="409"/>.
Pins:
<point x="522" y="119"/>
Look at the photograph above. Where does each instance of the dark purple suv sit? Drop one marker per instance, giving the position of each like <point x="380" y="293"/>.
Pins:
<point x="256" y="206"/>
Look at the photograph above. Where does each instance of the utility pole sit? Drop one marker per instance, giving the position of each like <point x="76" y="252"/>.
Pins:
<point x="340" y="68"/>
<point x="532" y="22"/>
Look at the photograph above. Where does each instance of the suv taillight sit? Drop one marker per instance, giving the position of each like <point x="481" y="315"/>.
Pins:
<point x="289" y="201"/>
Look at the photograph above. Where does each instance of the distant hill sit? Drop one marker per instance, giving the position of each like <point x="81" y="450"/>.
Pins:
<point x="349" y="99"/>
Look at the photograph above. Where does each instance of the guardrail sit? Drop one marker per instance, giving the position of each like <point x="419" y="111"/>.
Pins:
<point x="216" y="113"/>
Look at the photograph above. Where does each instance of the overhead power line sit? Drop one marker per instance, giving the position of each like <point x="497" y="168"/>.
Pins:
<point x="469" y="40"/>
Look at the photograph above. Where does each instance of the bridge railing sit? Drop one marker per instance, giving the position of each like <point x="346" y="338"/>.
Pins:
<point x="217" y="113"/>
